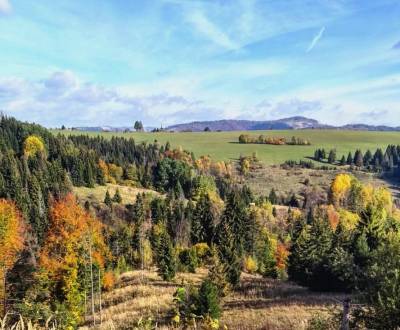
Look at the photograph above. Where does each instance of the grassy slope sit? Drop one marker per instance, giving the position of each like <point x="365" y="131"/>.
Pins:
<point x="259" y="303"/>
<point x="223" y="146"/>
<point x="98" y="193"/>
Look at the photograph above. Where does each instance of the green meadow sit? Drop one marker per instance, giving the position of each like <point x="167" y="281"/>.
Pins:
<point x="224" y="145"/>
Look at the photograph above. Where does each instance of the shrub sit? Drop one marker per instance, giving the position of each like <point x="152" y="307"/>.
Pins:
<point x="250" y="265"/>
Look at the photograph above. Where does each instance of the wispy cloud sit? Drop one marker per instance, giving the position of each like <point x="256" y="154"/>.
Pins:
<point x="316" y="39"/>
<point x="5" y="7"/>
<point x="210" y="30"/>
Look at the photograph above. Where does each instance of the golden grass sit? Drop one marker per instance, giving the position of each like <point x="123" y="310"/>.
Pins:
<point x="98" y="193"/>
<point x="258" y="303"/>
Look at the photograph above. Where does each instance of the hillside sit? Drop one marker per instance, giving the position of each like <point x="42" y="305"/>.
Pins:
<point x="297" y="122"/>
<point x="248" y="125"/>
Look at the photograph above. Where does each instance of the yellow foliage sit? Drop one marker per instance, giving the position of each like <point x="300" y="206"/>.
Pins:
<point x="250" y="265"/>
<point x="33" y="145"/>
<point x="340" y="187"/>
<point x="383" y="199"/>
<point x="11" y="238"/>
<point x="202" y="249"/>
<point x="348" y="220"/>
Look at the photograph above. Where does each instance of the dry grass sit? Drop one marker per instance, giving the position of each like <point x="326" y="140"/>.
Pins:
<point x="257" y="304"/>
<point x="96" y="194"/>
<point x="264" y="178"/>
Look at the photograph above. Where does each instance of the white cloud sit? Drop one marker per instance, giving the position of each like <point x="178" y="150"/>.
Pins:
<point x="5" y="7"/>
<point x="210" y="30"/>
<point x="316" y="39"/>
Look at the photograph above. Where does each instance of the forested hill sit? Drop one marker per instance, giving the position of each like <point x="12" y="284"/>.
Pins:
<point x="296" y="122"/>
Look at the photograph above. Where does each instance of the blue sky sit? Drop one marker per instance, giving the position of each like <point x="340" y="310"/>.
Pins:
<point x="110" y="62"/>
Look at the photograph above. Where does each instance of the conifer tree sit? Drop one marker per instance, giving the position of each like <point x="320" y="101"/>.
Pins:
<point x="107" y="199"/>
<point x="229" y="253"/>
<point x="166" y="257"/>
<point x="203" y="221"/>
<point x="117" y="197"/>
<point x="343" y="160"/>
<point x="358" y="158"/>
<point x="332" y="156"/>
<point x="349" y="159"/>
<point x="217" y="273"/>
<point x="273" y="198"/>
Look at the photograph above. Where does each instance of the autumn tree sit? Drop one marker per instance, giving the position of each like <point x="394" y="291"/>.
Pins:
<point x="74" y="246"/>
<point x="11" y="244"/>
<point x="33" y="145"/>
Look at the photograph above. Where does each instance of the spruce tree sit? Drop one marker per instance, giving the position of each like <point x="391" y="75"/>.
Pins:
<point x="343" y="160"/>
<point x="273" y="198"/>
<point x="229" y="253"/>
<point x="107" y="199"/>
<point x="358" y="158"/>
<point x="332" y="156"/>
<point x="349" y="159"/>
<point x="166" y="257"/>
<point x="203" y="221"/>
<point x="117" y="197"/>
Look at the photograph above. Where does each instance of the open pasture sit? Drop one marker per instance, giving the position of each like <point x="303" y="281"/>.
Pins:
<point x="224" y="145"/>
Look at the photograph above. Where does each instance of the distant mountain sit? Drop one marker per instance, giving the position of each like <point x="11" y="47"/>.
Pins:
<point x="364" y="127"/>
<point x="108" y="129"/>
<point x="297" y="122"/>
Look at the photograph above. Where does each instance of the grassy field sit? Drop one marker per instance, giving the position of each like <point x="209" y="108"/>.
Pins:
<point x="224" y="146"/>
<point x="258" y="303"/>
<point x="98" y="193"/>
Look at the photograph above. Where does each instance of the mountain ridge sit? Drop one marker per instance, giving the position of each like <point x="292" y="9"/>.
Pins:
<point x="295" y="123"/>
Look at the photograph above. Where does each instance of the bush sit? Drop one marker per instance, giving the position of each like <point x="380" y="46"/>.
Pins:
<point x="188" y="259"/>
<point x="250" y="265"/>
<point x="208" y="301"/>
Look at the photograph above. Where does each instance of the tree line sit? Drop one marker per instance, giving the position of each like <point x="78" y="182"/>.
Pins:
<point x="261" y="139"/>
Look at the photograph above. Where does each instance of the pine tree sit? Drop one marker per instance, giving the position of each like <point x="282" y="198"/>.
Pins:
<point x="217" y="273"/>
<point x="107" y="199"/>
<point x="229" y="253"/>
<point x="165" y="257"/>
<point x="332" y="156"/>
<point x="273" y="198"/>
<point x="203" y="221"/>
<point x="358" y="158"/>
<point x="343" y="160"/>
<point x="349" y="159"/>
<point x="117" y="197"/>
<point x="208" y="301"/>
<point x="367" y="158"/>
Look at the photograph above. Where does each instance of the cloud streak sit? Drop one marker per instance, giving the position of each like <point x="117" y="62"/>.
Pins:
<point x="316" y="39"/>
<point x="5" y="7"/>
<point x="207" y="28"/>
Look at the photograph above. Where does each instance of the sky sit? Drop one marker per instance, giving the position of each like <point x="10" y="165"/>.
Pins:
<point x="111" y="62"/>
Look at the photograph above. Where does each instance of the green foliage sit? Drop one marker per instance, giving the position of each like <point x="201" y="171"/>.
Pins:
<point x="107" y="199"/>
<point x="203" y="221"/>
<point x="188" y="258"/>
<point x="117" y="197"/>
<point x="166" y="262"/>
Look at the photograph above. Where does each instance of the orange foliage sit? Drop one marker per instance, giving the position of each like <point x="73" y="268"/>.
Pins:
<point x="72" y="232"/>
<point x="333" y="217"/>
<point x="281" y="256"/>
<point x="11" y="234"/>
<point x="108" y="281"/>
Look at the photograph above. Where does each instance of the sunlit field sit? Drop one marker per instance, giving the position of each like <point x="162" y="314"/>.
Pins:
<point x="224" y="146"/>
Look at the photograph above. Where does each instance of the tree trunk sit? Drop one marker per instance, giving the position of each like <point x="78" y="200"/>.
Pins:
<point x="346" y="313"/>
